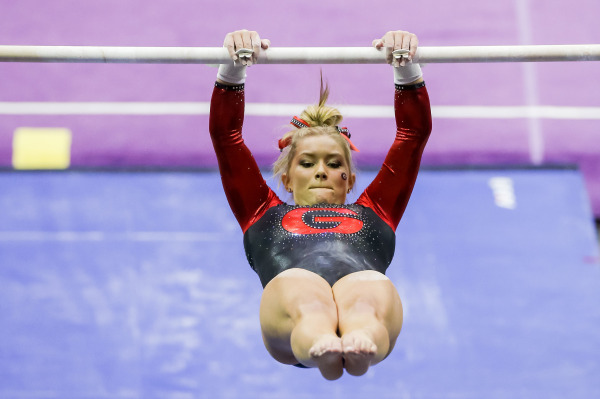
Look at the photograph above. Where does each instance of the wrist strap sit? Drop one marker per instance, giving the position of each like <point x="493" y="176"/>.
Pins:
<point x="407" y="74"/>
<point x="232" y="74"/>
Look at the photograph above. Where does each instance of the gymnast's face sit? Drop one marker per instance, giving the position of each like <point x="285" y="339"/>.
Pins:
<point x="319" y="172"/>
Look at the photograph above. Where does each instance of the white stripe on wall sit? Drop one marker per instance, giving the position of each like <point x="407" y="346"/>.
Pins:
<point x="267" y="109"/>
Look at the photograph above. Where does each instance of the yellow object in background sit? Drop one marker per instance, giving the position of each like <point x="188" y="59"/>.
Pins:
<point x="41" y="148"/>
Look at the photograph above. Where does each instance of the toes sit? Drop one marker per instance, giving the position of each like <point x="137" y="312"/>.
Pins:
<point x="358" y="344"/>
<point x="358" y="351"/>
<point x="325" y="346"/>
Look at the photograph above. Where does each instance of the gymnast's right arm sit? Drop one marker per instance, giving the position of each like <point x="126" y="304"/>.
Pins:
<point x="246" y="190"/>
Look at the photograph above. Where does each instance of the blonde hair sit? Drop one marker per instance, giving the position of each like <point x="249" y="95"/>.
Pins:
<point x="323" y="121"/>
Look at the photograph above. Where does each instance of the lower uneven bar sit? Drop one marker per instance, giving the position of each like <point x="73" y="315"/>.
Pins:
<point x="297" y="55"/>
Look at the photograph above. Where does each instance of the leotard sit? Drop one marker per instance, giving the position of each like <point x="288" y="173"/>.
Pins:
<point x="330" y="240"/>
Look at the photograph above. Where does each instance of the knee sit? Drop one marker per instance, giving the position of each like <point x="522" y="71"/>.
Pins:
<point x="368" y="292"/>
<point x="366" y="283"/>
<point x="364" y="275"/>
<point x="366" y="286"/>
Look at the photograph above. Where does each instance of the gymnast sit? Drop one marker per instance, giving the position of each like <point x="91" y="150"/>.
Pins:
<point x="326" y="301"/>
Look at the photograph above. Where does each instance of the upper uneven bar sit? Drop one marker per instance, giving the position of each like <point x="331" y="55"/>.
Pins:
<point x="297" y="55"/>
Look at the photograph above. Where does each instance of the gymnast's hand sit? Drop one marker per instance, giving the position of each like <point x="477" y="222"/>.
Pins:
<point x="245" y="39"/>
<point x="398" y="40"/>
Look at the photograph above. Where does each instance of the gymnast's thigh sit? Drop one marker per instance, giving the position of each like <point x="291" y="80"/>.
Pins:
<point x="288" y="297"/>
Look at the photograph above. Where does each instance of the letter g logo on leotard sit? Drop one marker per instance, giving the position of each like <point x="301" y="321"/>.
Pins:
<point x="322" y="220"/>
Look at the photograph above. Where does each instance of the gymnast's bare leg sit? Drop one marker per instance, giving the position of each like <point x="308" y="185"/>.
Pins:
<point x="299" y="322"/>
<point x="370" y="318"/>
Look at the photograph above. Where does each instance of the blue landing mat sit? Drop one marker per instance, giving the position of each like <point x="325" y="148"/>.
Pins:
<point x="135" y="285"/>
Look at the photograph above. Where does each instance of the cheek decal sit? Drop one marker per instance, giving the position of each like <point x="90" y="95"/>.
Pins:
<point x="344" y="176"/>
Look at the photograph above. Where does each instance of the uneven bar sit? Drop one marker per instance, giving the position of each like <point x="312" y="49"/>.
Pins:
<point x="297" y="55"/>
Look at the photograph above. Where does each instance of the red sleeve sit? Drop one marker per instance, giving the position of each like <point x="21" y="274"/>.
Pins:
<point x="248" y="194"/>
<point x="390" y="191"/>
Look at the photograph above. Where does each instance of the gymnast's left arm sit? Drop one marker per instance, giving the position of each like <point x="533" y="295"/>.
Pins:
<point x="390" y="191"/>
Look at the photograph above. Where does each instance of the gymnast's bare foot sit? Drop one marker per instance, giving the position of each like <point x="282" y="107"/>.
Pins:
<point x="327" y="353"/>
<point x="358" y="351"/>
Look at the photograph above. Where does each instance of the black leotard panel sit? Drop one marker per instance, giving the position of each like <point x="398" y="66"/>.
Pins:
<point x="329" y="240"/>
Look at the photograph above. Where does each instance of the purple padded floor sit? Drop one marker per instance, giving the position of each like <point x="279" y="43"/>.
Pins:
<point x="136" y="285"/>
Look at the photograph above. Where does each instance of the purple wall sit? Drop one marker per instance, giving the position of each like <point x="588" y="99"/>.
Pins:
<point x="181" y="140"/>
